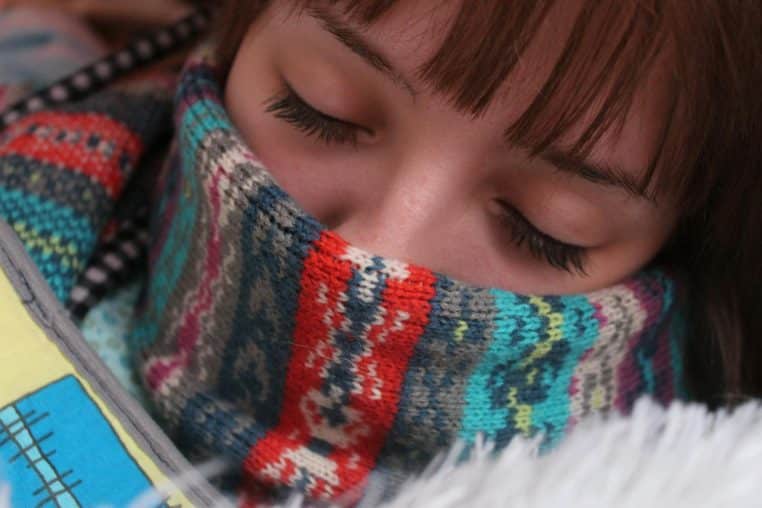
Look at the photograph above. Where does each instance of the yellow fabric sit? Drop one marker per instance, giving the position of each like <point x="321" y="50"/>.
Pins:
<point x="29" y="361"/>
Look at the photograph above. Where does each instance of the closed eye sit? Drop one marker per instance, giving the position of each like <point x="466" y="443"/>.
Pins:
<point x="289" y="106"/>
<point x="561" y="255"/>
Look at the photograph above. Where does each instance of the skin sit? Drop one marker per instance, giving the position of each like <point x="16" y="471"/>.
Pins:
<point x="425" y="181"/>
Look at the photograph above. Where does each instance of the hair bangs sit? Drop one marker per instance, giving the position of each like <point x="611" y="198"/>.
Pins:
<point x="604" y="60"/>
<point x="607" y="54"/>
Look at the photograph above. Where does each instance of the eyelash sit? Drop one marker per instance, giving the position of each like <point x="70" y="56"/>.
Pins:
<point x="293" y="109"/>
<point x="566" y="257"/>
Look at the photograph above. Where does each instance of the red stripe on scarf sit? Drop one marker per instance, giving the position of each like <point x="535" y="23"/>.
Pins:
<point x="43" y="145"/>
<point x="379" y="373"/>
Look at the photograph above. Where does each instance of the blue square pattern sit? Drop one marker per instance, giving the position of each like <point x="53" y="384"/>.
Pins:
<point x="58" y="450"/>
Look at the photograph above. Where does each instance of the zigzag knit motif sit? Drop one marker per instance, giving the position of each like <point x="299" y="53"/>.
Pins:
<point x="269" y="340"/>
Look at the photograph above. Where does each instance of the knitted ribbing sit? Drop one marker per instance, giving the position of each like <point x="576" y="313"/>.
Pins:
<point x="270" y="340"/>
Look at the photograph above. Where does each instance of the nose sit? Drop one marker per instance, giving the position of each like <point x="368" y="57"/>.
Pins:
<point x="405" y="217"/>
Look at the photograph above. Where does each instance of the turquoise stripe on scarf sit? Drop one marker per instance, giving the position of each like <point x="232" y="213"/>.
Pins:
<point x="58" y="239"/>
<point x="198" y="122"/>
<point x="171" y="262"/>
<point x="581" y="326"/>
<point x="496" y="410"/>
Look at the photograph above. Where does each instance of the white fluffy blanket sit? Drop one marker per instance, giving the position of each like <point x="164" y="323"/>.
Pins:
<point x="683" y="456"/>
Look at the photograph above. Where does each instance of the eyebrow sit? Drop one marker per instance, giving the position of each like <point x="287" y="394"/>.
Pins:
<point x="359" y="46"/>
<point x="601" y="174"/>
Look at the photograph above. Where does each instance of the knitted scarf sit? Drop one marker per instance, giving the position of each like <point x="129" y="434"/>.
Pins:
<point x="270" y="339"/>
<point x="265" y="338"/>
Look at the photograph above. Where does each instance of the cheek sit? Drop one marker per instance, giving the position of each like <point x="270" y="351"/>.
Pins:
<point x="632" y="250"/>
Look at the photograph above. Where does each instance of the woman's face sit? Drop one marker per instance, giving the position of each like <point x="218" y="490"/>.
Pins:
<point x="341" y="120"/>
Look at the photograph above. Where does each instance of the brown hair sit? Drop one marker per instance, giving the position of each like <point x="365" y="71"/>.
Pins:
<point x="709" y="155"/>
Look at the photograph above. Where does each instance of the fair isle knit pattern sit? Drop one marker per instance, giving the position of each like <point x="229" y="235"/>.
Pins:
<point x="61" y="172"/>
<point x="271" y="341"/>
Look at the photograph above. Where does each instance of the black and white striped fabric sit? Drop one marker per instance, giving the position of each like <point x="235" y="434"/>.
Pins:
<point x="140" y="53"/>
<point x="116" y="262"/>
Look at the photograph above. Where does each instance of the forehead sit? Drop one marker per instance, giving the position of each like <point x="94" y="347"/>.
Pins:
<point x="588" y="79"/>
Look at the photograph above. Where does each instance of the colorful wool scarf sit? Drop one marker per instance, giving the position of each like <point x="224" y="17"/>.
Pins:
<point x="265" y="338"/>
<point x="268" y="340"/>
